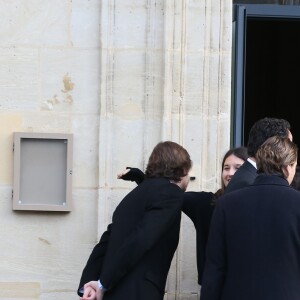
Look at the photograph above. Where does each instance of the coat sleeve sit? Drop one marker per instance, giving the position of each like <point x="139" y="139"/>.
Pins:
<point x="134" y="174"/>
<point x="216" y="258"/>
<point x="94" y="264"/>
<point x="159" y="217"/>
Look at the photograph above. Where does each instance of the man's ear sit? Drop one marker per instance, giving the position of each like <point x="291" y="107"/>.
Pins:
<point x="286" y="171"/>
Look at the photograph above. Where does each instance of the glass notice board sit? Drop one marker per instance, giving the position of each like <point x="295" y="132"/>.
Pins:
<point x="42" y="171"/>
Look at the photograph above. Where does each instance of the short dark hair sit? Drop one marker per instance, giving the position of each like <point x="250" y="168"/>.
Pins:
<point x="169" y="160"/>
<point x="275" y="154"/>
<point x="263" y="129"/>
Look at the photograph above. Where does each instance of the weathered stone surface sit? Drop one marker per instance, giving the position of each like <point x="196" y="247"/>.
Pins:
<point x="121" y="76"/>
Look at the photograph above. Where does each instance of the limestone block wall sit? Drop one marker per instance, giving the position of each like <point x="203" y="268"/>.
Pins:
<point x="49" y="82"/>
<point x="121" y="76"/>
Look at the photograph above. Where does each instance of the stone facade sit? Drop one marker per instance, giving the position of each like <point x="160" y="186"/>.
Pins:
<point x="121" y="76"/>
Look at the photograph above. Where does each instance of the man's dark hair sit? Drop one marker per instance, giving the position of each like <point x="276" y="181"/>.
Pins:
<point x="169" y="160"/>
<point x="264" y="129"/>
<point x="275" y="155"/>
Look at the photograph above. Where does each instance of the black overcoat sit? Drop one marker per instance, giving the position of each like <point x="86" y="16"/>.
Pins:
<point x="253" y="249"/>
<point x="133" y="257"/>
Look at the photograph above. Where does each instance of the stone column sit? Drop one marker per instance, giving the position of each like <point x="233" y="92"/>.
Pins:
<point x="165" y="75"/>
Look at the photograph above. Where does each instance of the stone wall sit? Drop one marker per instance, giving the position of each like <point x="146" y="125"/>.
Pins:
<point x="121" y="76"/>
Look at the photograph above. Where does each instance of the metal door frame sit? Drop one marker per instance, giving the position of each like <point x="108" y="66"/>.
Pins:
<point x="241" y="13"/>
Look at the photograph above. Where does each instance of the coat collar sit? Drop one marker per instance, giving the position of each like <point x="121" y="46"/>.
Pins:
<point x="275" y="179"/>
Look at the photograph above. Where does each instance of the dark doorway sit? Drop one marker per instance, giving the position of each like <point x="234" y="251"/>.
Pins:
<point x="270" y="66"/>
<point x="273" y="72"/>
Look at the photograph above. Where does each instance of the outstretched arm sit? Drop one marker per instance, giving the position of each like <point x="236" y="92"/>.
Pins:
<point x="132" y="174"/>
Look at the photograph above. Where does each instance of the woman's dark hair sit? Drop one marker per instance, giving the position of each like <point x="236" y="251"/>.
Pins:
<point x="170" y="160"/>
<point x="275" y="154"/>
<point x="240" y="152"/>
<point x="264" y="129"/>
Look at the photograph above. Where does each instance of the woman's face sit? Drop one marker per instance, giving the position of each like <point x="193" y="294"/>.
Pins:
<point x="231" y="164"/>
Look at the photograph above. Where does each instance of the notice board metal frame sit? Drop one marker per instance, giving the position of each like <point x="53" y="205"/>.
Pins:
<point x="42" y="171"/>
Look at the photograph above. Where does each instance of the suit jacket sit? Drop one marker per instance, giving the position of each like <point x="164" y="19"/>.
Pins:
<point x="140" y="243"/>
<point x="253" y="247"/>
<point x="244" y="176"/>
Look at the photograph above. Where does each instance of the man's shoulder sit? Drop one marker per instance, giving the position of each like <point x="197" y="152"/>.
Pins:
<point x="158" y="184"/>
<point x="247" y="170"/>
<point x="157" y="180"/>
<point x="246" y="167"/>
<point x="244" y="176"/>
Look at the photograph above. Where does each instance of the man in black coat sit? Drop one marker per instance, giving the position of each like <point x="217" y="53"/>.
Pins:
<point x="259" y="133"/>
<point x="134" y="255"/>
<point x="253" y="249"/>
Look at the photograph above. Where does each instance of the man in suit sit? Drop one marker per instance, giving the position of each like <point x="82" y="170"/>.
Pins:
<point x="259" y="133"/>
<point x="253" y="249"/>
<point x="134" y="255"/>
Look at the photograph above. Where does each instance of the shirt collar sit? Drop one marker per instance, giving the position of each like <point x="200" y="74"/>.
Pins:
<point x="252" y="162"/>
